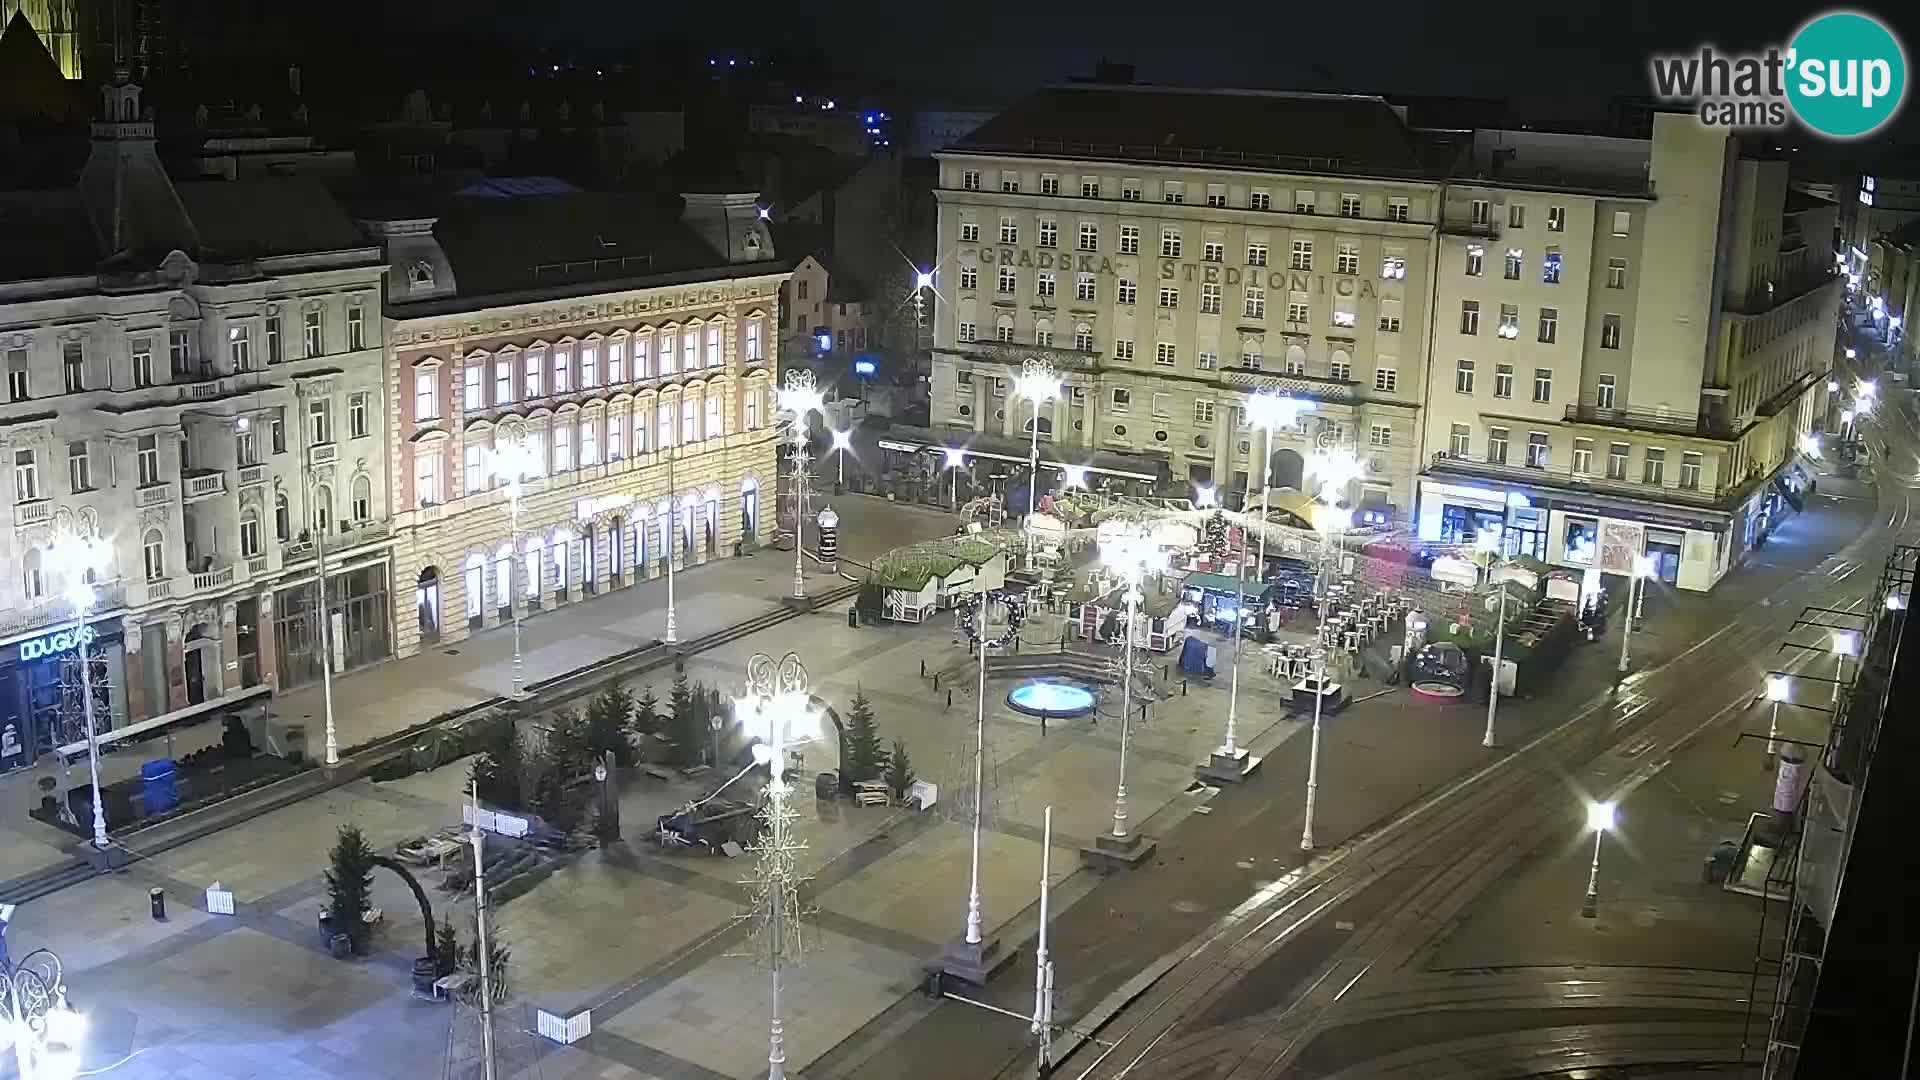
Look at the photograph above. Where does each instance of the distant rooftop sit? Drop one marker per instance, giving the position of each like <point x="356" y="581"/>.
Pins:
<point x="1292" y="132"/>
<point x="517" y="187"/>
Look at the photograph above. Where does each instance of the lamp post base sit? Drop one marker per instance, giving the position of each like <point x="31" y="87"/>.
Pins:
<point x="1228" y="768"/>
<point x="971" y="962"/>
<point x="111" y="857"/>
<point x="1110" y="852"/>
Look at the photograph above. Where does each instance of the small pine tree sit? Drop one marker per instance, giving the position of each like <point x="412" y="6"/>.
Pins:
<point x="609" y="717"/>
<point x="646" y="714"/>
<point x="867" y="755"/>
<point x="499" y="769"/>
<point x="899" y="770"/>
<point x="686" y="720"/>
<point x="567" y="747"/>
<point x="350" y="886"/>
<point x="446" y="948"/>
<point x="1215" y="539"/>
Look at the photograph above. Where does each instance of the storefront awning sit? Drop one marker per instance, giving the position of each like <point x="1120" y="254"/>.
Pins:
<point x="192" y="712"/>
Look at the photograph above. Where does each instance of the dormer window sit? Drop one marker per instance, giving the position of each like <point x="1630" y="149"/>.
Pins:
<point x="420" y="275"/>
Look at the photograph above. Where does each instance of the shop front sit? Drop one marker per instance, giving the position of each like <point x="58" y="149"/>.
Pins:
<point x="359" y="624"/>
<point x="40" y="696"/>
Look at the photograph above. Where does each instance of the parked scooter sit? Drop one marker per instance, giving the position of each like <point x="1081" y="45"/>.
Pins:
<point x="1593" y="617"/>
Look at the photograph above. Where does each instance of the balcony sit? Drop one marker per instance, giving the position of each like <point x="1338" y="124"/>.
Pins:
<point x="324" y="454"/>
<point x="111" y="596"/>
<point x="159" y="589"/>
<point x="152" y="495"/>
<point x="1560" y="476"/>
<point x="1006" y="352"/>
<point x="37" y="512"/>
<point x="216" y="578"/>
<point x="251" y="475"/>
<point x="1667" y="423"/>
<point x="206" y="388"/>
<point x="204" y="484"/>
<point x="1485" y="230"/>
<point x="1304" y="386"/>
<point x="258" y="567"/>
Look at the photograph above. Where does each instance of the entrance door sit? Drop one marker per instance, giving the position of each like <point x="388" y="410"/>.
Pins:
<point x="426" y="601"/>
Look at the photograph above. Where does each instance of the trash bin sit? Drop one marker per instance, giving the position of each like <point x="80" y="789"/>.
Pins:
<point x="160" y="791"/>
<point x="295" y="736"/>
<point x="157" y="903"/>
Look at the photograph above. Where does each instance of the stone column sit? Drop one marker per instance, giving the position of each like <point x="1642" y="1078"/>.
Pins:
<point x="176" y="663"/>
<point x="489" y="589"/>
<point x="266" y="641"/>
<point x="138" y="707"/>
<point x="228" y="676"/>
<point x="578" y="568"/>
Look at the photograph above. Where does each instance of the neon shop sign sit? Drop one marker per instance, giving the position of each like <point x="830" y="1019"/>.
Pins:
<point x="55" y="644"/>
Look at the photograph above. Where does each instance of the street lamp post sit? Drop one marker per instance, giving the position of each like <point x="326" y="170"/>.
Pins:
<point x="1132" y="557"/>
<point x="673" y="544"/>
<point x="45" y="1030"/>
<point x="1499" y="643"/>
<point x="1642" y="568"/>
<point x="1845" y="643"/>
<point x="513" y="462"/>
<point x="1334" y="468"/>
<point x="973" y="957"/>
<point x="955" y="457"/>
<point x="319" y="527"/>
<point x="79" y="560"/>
<point x="842" y="440"/>
<point x="1038" y="384"/>
<point x="1778" y="690"/>
<point x="799" y="398"/>
<point x="1600" y="818"/>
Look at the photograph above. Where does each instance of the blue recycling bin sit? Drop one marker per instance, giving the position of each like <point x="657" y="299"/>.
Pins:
<point x="161" y="791"/>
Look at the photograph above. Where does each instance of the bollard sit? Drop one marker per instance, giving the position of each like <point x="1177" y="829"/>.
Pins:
<point x="1166" y="671"/>
<point x="936" y="682"/>
<point x="949" y="699"/>
<point x="1183" y="687"/>
<point x="923" y="669"/>
<point x="157" y="903"/>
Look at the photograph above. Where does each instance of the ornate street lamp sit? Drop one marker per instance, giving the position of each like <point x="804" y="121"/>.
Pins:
<point x="1038" y="384"/>
<point x="45" y="1030"/>
<point x="514" y="461"/>
<point x="798" y="399"/>
<point x="1132" y="557"/>
<point x="81" y="560"/>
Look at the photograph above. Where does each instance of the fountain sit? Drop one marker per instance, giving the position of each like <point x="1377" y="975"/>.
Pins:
<point x="1054" y="699"/>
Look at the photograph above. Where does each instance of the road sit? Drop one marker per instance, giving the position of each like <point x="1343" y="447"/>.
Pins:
<point x="1364" y="961"/>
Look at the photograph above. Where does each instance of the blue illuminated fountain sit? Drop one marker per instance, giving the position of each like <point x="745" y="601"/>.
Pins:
<point x="1054" y="699"/>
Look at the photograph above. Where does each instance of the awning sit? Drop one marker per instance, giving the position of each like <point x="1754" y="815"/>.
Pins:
<point x="257" y="695"/>
<point x="903" y="447"/>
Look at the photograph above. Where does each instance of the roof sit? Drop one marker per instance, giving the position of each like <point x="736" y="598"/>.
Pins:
<point x="252" y="219"/>
<point x="30" y="81"/>
<point x="1244" y="129"/>
<point x="1799" y="202"/>
<point x="517" y="187"/>
<point x="48" y="235"/>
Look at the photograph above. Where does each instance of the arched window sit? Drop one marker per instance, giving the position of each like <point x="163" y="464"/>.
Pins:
<point x="1046" y="426"/>
<point x="476" y="587"/>
<point x="750" y="508"/>
<point x="1296" y="360"/>
<point x="32" y="576"/>
<point x="1083" y="337"/>
<point x="250" y="534"/>
<point x="362" y="498"/>
<point x="153" y="552"/>
<point x="503" y="577"/>
<point x="282" y="518"/>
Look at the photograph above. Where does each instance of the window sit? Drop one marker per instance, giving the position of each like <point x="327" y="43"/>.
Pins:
<point x="1043" y="337"/>
<point x="1010" y="182"/>
<point x="282" y="519"/>
<point x="1690" y="470"/>
<point x="153" y="555"/>
<point x="1206" y="360"/>
<point x="502" y="381"/>
<point x="360" y="498"/>
<point x="277" y="433"/>
<point x="1617" y="460"/>
<point x="1603" y="393"/>
<point x="641" y="348"/>
<point x="1347" y="259"/>
<point x="17" y="386"/>
<point x="142" y="363"/>
<point x="1003" y="331"/>
<point x="1210" y="299"/>
<point x="1582" y="457"/>
<point x="1259" y="200"/>
<point x="1169" y="243"/>
<point x="80" y="467"/>
<point x="1550" y="267"/>
<point x="476" y="469"/>
<point x="146" y="460"/>
<point x="970" y="180"/>
<point x="1009" y="230"/>
<point x="1616" y="273"/>
<point x="1049" y="233"/>
<point x="1340" y="369"/>
<point x="357" y="415"/>
<point x="1609" y="331"/>
<point x="1655" y="468"/>
<point x="1173" y="191"/>
<point x="617" y="434"/>
<point x="1126" y="291"/>
<point x="1083" y="338"/>
<point x="752" y="399"/>
<point x="1343" y="319"/>
<point x="1549" y="325"/>
<point x="1008" y="279"/>
<point x="1165" y="354"/>
<point x="1469" y="316"/>
<point x="1162" y="406"/>
<point x="26" y="476"/>
<point x="1516" y="261"/>
<point x="1497" y="446"/>
<point x="1476" y="260"/>
<point x="1083" y="288"/>
<point x="1517" y="215"/>
<point x="1297" y="311"/>
<point x="1250" y="357"/>
<point x="1542" y="385"/>
<point x="1622" y="220"/>
<point x="690" y="351"/>
<point x="1123" y="349"/>
<point x="1256" y="254"/>
<point x="669" y="356"/>
<point x="473" y="391"/>
<point x="1129" y="239"/>
<point x="1049" y="184"/>
<point x="1295" y="361"/>
<point x="356" y="326"/>
<point x="314" y="336"/>
<point x="1255" y="302"/>
<point x="1089" y="236"/>
<point x="73" y="363"/>
<point x="1509" y="321"/>
<point x="1349" y="206"/>
<point x="663" y="416"/>
<point x="969" y="234"/>
<point x="1089" y="187"/>
<point x="1203" y="412"/>
<point x="239" y="348"/>
<point x="1389" y="324"/>
<point x="276" y="350"/>
<point x="1503" y="380"/>
<point x="250" y="535"/>
<point x="1380" y="435"/>
<point x="426" y="476"/>
<point x="590" y="359"/>
<point x="1556" y="219"/>
<point x="1398" y="209"/>
<point x="1302" y="255"/>
<point x="1303" y="202"/>
<point x="590" y="442"/>
<point x="966" y="331"/>
<point x="1458" y="445"/>
<point x="426" y="403"/>
<point x="755" y="351"/>
<point x="1217" y="195"/>
<point x="1122" y="399"/>
<point x="1482" y="211"/>
<point x="1537" y="450"/>
<point x="1393" y="268"/>
<point x="1044" y="284"/>
<point x="969" y="277"/>
<point x="320" y="420"/>
<point x="180" y="351"/>
<point x="1463" y="377"/>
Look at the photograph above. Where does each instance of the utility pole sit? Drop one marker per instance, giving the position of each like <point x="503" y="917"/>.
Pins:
<point x="1042" y="965"/>
<point x="481" y="946"/>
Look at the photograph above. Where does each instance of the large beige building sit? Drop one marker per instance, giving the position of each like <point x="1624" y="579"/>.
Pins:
<point x="630" y="356"/>
<point x="1171" y="252"/>
<point x="1630" y="338"/>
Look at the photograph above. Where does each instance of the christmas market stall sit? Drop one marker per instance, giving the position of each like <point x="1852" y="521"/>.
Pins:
<point x="1099" y="614"/>
<point x="917" y="580"/>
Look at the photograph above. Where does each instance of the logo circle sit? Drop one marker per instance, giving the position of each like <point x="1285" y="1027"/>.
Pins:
<point x="1848" y="75"/>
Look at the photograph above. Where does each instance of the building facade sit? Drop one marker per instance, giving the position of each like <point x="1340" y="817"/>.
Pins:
<point x="1172" y="252"/>
<point x="641" y="401"/>
<point x="193" y="376"/>
<point x="1631" y="339"/>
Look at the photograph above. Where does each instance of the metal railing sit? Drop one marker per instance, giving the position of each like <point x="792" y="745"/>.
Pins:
<point x="1696" y="424"/>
